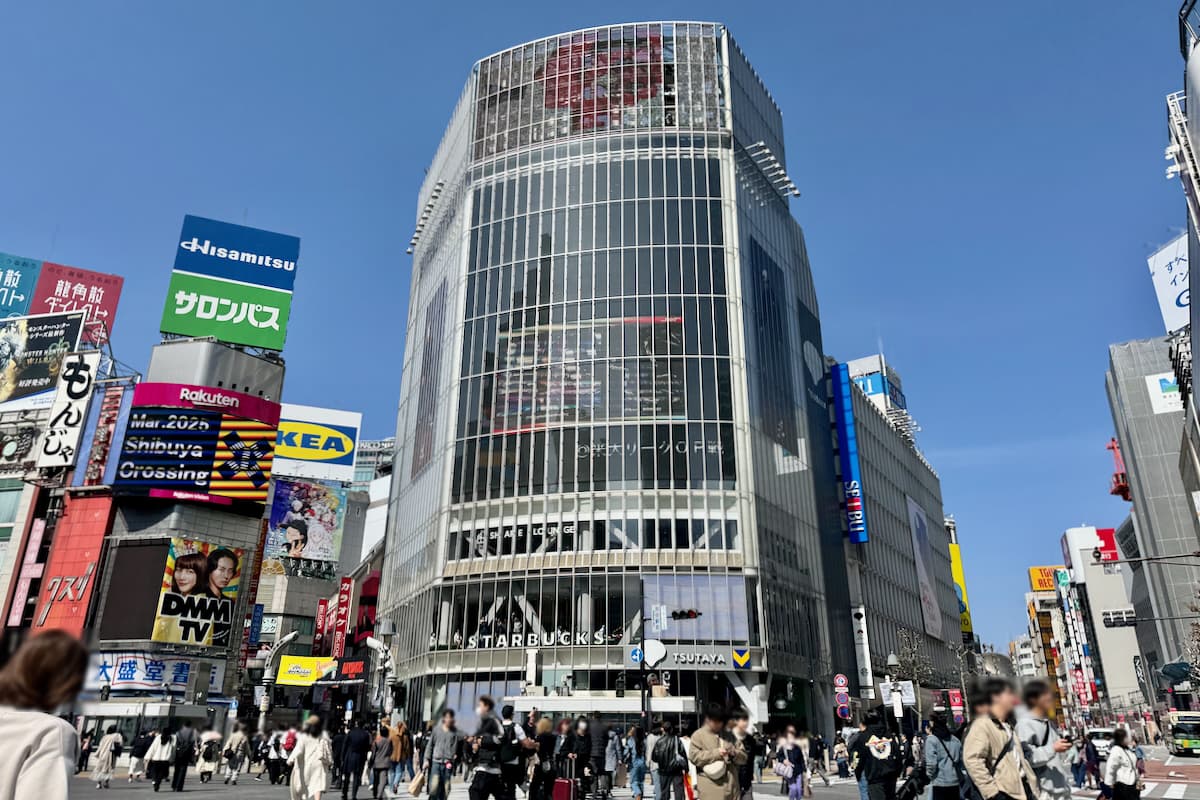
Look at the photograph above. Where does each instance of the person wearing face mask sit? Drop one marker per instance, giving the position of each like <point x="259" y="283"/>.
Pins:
<point x="488" y="780"/>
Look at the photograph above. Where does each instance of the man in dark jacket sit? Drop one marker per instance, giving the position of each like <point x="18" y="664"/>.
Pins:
<point x="880" y="757"/>
<point x="185" y="747"/>
<point x="338" y="746"/>
<point x="354" y="758"/>
<point x="486" y="744"/>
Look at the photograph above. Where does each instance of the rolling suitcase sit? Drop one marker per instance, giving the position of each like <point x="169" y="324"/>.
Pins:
<point x="566" y="788"/>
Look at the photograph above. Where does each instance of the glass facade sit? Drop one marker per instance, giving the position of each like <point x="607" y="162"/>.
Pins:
<point x="632" y="429"/>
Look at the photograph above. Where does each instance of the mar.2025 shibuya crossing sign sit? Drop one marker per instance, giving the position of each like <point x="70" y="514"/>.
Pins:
<point x="231" y="282"/>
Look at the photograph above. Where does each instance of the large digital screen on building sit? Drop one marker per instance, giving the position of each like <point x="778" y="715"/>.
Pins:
<point x="630" y="77"/>
<point x="306" y="522"/>
<point x="853" y="503"/>
<point x="199" y="590"/>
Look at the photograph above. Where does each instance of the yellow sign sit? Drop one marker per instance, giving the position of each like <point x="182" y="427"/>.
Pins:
<point x="741" y="657"/>
<point x="960" y="588"/>
<point x="303" y="670"/>
<point x="1041" y="579"/>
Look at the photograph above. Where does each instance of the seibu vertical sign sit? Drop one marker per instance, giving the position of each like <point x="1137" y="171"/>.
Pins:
<point x="342" y="623"/>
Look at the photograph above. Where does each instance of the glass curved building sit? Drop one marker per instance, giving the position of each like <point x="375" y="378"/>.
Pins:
<point x="613" y="422"/>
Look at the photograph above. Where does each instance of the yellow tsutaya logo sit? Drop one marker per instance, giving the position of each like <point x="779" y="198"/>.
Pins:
<point x="307" y="441"/>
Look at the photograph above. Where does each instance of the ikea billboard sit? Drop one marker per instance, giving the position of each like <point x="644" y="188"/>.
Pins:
<point x="319" y="443"/>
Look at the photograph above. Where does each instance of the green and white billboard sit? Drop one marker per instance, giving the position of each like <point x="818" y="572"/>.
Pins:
<point x="238" y="313"/>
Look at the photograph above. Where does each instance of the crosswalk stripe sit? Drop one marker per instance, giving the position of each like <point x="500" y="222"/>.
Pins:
<point x="1175" y="791"/>
<point x="1149" y="787"/>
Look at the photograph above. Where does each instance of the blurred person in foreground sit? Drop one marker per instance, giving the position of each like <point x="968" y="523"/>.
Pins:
<point x="311" y="761"/>
<point x="40" y="750"/>
<point x="992" y="754"/>
<point x="1045" y="749"/>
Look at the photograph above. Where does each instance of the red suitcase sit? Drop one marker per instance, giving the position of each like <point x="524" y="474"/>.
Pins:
<point x="566" y="788"/>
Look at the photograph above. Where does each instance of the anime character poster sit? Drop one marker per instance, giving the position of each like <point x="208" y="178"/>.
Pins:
<point x="199" y="591"/>
<point x="304" y="537"/>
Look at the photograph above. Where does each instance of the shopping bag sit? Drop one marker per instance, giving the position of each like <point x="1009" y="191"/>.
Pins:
<point x="688" y="790"/>
<point x="417" y="784"/>
<point x="622" y="776"/>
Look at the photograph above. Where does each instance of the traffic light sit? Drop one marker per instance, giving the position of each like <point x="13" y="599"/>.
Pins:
<point x="685" y="613"/>
<point x="105" y="692"/>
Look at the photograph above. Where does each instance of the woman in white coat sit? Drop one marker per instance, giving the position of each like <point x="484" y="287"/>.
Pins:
<point x="311" y="761"/>
<point x="160" y="757"/>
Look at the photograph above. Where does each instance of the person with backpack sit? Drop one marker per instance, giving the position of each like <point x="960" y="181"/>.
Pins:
<point x="137" y="755"/>
<point x="514" y="751"/>
<point x="486" y="744"/>
<point x="671" y="758"/>
<point x="881" y="756"/>
<point x="1044" y="747"/>
<point x="209" y="757"/>
<point x="943" y="760"/>
<point x="993" y="757"/>
<point x="185" y="749"/>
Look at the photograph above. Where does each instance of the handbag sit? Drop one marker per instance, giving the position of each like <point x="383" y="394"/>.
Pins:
<point x="783" y="768"/>
<point x="715" y="770"/>
<point x="417" y="784"/>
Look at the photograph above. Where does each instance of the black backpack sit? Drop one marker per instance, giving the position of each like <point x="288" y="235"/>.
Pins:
<point x="209" y="752"/>
<point x="510" y="746"/>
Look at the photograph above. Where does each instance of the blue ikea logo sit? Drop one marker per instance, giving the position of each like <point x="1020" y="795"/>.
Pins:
<point x="308" y="441"/>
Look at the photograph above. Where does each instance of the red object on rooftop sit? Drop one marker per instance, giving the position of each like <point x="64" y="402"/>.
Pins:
<point x="1120" y="480"/>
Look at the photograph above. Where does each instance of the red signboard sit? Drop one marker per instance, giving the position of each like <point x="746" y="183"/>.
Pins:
<point x="1108" y="544"/>
<point x="318" y="644"/>
<point x="31" y="568"/>
<point x="69" y="579"/>
<point x="182" y="395"/>
<point x="106" y="425"/>
<point x="342" y="624"/>
<point x="252" y="593"/>
<point x="61" y="288"/>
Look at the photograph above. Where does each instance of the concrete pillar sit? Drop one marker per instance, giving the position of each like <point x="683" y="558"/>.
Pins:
<point x="751" y="690"/>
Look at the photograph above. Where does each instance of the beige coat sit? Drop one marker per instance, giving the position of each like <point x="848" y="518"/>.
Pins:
<point x="705" y="749"/>
<point x="311" y="761"/>
<point x="984" y="741"/>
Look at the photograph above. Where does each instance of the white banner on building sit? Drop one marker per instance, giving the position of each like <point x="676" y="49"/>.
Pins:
<point x="1169" y="271"/>
<point x="132" y="669"/>
<point x="923" y="556"/>
<point x="1164" y="393"/>
<point x="59" y="445"/>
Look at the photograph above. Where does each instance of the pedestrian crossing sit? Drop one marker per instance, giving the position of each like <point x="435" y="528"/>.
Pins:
<point x="1158" y="790"/>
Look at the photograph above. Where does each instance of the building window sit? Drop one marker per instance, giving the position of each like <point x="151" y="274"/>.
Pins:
<point x="11" y="490"/>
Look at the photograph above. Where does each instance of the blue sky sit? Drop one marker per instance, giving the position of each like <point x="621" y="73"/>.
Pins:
<point x="981" y="186"/>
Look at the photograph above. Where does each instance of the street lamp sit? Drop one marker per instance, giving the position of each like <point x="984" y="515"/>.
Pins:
<point x="893" y="664"/>
<point x="268" y="678"/>
<point x="385" y="664"/>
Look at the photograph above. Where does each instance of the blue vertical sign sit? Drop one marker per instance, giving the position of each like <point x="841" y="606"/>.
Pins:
<point x="255" y="624"/>
<point x="18" y="278"/>
<point x="847" y="438"/>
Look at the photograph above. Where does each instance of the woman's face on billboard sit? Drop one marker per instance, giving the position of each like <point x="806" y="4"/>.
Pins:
<point x="186" y="580"/>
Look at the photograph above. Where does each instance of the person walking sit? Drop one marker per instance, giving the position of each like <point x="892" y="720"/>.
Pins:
<point x="85" y="750"/>
<point x="1077" y="757"/>
<point x="992" y="753"/>
<point x="209" y="758"/>
<point x="635" y="757"/>
<point x="671" y="758"/>
<point x="185" y="748"/>
<point x="107" y="752"/>
<point x="546" y="772"/>
<point x="40" y="750"/>
<point x="276" y="758"/>
<point x="741" y="731"/>
<point x="337" y="743"/>
<point x="237" y="753"/>
<point x="789" y="764"/>
<point x="1121" y="771"/>
<point x="402" y="756"/>
<point x="442" y="753"/>
<point x="159" y="758"/>
<point x="355" y="755"/>
<point x="841" y="756"/>
<point x="1045" y="749"/>
<point x="137" y="755"/>
<point x="943" y="759"/>
<point x="310" y="762"/>
<point x="881" y="757"/>
<point x="717" y="754"/>
<point x="381" y="763"/>
<point x="488" y="780"/>
<point x="652" y="740"/>
<point x="818" y="756"/>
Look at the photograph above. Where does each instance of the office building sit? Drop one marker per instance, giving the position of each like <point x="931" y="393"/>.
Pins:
<point x="613" y="421"/>
<point x="1020" y="652"/>
<point x="1147" y="409"/>
<point x="374" y="461"/>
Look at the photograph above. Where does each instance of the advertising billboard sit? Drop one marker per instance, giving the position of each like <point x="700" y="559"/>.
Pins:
<point x="189" y="454"/>
<point x="341" y="625"/>
<point x="318" y="443"/>
<point x="134" y="670"/>
<point x="960" y="589"/>
<point x="851" y="473"/>
<point x="231" y="282"/>
<point x="18" y="279"/>
<point x="183" y="395"/>
<point x="918" y="526"/>
<point x="199" y="590"/>
<point x="62" y="289"/>
<point x="72" y="398"/>
<point x="1163" y="389"/>
<point x="305" y="525"/>
<point x="70" y="575"/>
<point x="1169" y="272"/>
<point x="32" y="352"/>
<point x="303" y="670"/>
<point x="1041" y="579"/>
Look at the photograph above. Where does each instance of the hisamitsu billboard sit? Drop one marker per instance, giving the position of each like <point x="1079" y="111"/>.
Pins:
<point x="237" y="253"/>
